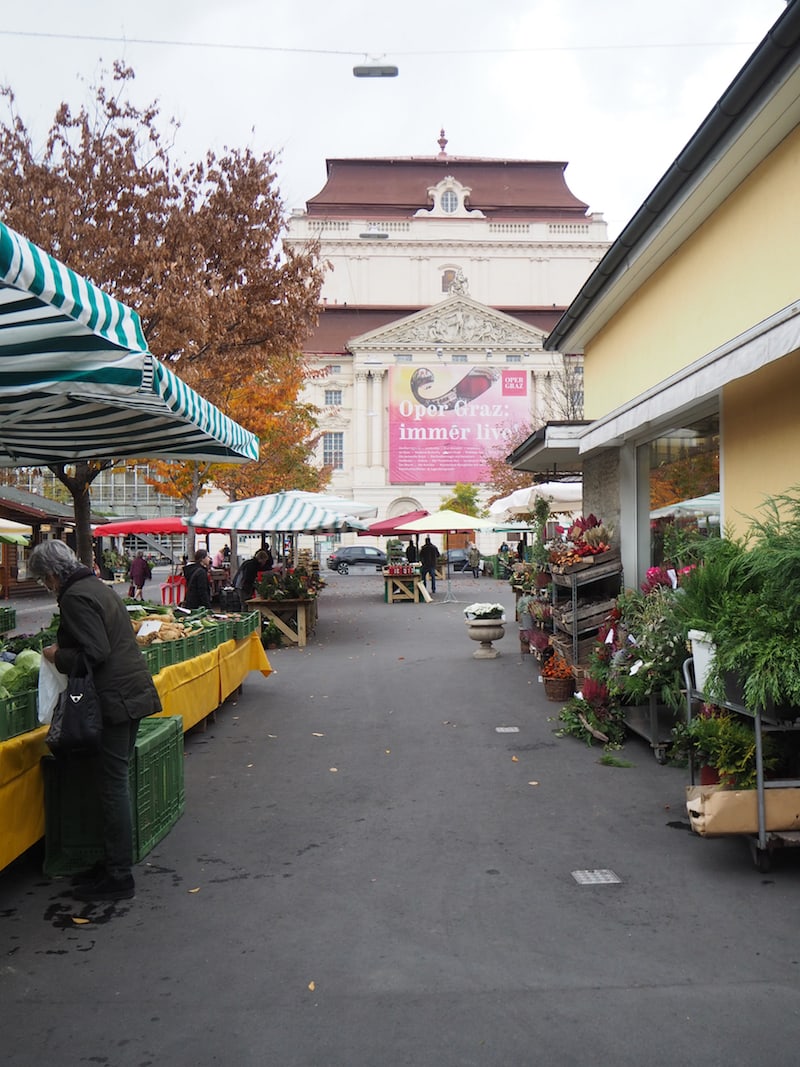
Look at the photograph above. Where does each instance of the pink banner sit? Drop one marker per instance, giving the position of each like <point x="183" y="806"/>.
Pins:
<point x="446" y="420"/>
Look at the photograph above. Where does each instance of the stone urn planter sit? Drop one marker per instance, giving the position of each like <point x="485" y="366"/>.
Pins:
<point x="485" y="631"/>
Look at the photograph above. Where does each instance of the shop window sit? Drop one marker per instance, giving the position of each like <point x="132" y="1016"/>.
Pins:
<point x="682" y="471"/>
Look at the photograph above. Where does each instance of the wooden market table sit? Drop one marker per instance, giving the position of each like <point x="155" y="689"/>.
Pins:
<point x="192" y="689"/>
<point x="295" y="619"/>
<point x="404" y="587"/>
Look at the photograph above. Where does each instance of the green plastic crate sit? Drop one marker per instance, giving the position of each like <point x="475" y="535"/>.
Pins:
<point x="247" y="625"/>
<point x="18" y="714"/>
<point x="8" y="620"/>
<point x="194" y="645"/>
<point x="73" y="826"/>
<point x="160" y="797"/>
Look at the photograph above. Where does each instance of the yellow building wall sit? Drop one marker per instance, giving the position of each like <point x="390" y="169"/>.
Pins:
<point x="735" y="271"/>
<point x="761" y="440"/>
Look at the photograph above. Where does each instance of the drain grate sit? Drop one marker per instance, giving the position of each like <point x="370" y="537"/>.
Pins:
<point x="601" y="877"/>
<point x="506" y="729"/>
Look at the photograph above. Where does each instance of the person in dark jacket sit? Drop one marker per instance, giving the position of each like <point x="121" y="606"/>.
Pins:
<point x="198" y="589"/>
<point x="429" y="558"/>
<point x="95" y="623"/>
<point x="140" y="572"/>
<point x="250" y="570"/>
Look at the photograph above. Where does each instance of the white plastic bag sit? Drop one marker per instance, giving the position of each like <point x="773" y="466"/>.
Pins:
<point x="51" y="684"/>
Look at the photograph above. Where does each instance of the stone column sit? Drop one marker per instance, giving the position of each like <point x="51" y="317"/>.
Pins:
<point x="376" y="421"/>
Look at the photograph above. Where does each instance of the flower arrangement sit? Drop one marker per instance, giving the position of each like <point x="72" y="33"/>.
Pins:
<point x="485" y="611"/>
<point x="556" y="666"/>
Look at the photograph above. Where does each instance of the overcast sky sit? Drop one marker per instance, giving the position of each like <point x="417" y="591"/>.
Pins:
<point x="614" y="88"/>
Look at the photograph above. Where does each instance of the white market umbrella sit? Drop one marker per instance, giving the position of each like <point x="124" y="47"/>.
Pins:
<point x="335" y="503"/>
<point x="78" y="382"/>
<point x="446" y="521"/>
<point x="562" y="496"/>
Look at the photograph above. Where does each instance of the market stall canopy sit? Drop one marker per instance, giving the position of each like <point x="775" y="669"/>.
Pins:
<point x="707" y="506"/>
<point x="276" y="513"/>
<point x="14" y="533"/>
<point x="333" y="503"/>
<point x="77" y="381"/>
<point x="446" y="522"/>
<point x="172" y="524"/>
<point x="562" y="496"/>
<point x="390" y="527"/>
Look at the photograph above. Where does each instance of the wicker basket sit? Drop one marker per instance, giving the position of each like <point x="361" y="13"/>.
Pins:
<point x="559" y="689"/>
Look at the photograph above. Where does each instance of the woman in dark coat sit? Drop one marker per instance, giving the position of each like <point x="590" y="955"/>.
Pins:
<point x="95" y="622"/>
<point x="198" y="589"/>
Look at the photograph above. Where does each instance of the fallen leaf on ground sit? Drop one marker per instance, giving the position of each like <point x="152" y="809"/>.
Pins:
<point x="333" y="770"/>
<point x="312" y="986"/>
<point x="196" y="890"/>
<point x="533" y="783"/>
<point x="515" y="759"/>
<point x="318" y="735"/>
<point x="79" y="920"/>
<point x="387" y="751"/>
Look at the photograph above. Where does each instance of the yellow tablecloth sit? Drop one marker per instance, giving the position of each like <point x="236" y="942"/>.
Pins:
<point x="192" y="690"/>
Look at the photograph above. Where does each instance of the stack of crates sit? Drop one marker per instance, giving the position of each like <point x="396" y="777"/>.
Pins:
<point x="73" y="825"/>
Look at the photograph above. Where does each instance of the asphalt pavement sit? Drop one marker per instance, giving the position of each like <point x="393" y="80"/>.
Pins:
<point x="379" y="865"/>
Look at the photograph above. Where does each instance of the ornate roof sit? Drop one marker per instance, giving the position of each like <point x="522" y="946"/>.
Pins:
<point x="399" y="186"/>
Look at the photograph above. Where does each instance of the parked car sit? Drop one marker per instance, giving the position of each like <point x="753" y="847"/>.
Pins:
<point x="457" y="558"/>
<point x="342" y="559"/>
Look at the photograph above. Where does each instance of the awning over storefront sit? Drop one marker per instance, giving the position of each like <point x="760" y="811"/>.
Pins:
<point x="77" y="380"/>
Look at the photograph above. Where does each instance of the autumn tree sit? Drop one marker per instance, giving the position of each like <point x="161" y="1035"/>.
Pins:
<point x="463" y="499"/>
<point x="193" y="248"/>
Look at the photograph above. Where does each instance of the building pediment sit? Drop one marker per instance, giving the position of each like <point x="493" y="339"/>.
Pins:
<point x="456" y="324"/>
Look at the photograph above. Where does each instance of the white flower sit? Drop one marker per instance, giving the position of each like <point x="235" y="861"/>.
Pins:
<point x="484" y="611"/>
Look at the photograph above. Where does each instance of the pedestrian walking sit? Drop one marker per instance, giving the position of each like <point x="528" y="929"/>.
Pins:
<point x="139" y="572"/>
<point x="473" y="559"/>
<point x="429" y="558"/>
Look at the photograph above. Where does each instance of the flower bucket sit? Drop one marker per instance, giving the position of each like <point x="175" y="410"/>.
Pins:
<point x="559" y="689"/>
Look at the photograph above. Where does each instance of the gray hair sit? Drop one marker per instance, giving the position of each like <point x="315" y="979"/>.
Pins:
<point x="53" y="558"/>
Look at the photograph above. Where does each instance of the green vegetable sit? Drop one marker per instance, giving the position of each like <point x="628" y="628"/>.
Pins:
<point x="5" y="667"/>
<point x="29" y="659"/>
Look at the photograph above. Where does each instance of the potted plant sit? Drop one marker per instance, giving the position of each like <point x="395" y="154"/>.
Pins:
<point x="746" y="594"/>
<point x="726" y="743"/>
<point x="485" y="624"/>
<point x="558" y="679"/>
<point x="271" y="636"/>
<point x="646" y="642"/>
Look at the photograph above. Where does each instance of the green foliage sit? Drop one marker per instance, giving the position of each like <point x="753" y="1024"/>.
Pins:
<point x="464" y="499"/>
<point x="727" y="742"/>
<point x="582" y="719"/>
<point x="649" y="648"/>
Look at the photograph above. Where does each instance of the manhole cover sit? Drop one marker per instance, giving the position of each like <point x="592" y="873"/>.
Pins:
<point x="596" y="877"/>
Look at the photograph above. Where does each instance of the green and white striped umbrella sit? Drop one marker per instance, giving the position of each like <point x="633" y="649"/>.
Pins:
<point x="77" y="381"/>
<point x="277" y="513"/>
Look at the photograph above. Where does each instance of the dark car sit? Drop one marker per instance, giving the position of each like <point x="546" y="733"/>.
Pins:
<point x="342" y="559"/>
<point x="457" y="558"/>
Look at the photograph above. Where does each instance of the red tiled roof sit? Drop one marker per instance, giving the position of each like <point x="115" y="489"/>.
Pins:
<point x="397" y="187"/>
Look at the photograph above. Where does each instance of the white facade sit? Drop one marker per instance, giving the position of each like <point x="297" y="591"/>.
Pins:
<point x="438" y="277"/>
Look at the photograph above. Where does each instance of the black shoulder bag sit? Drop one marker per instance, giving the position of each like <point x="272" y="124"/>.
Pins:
<point x="77" y="720"/>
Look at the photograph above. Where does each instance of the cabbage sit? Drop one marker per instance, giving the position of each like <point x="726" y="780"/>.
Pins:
<point x="29" y="659"/>
<point x="4" y="693"/>
<point x="5" y="667"/>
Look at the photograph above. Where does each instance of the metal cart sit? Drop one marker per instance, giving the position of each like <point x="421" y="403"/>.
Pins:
<point x="764" y="842"/>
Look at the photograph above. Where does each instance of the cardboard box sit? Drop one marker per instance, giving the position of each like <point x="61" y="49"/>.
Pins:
<point x="714" y="811"/>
